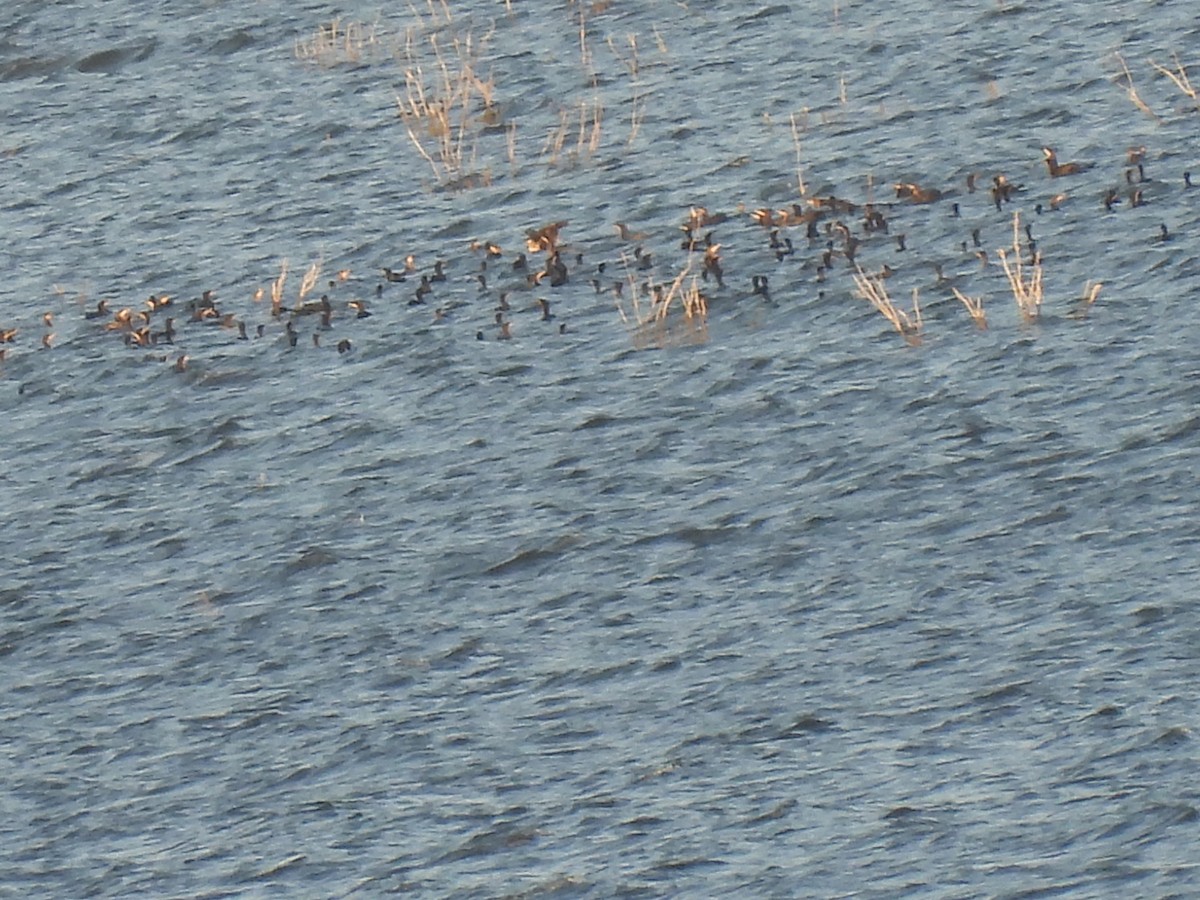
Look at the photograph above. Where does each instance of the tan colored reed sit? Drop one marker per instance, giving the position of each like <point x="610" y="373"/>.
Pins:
<point x="1134" y="97"/>
<point x="1024" y="281"/>
<point x="872" y="288"/>
<point x="679" y="319"/>
<point x="974" y="307"/>
<point x="1179" y="77"/>
<point x="340" y="43"/>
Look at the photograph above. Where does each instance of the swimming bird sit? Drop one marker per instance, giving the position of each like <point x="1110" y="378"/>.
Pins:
<point x="1058" y="169"/>
<point x="556" y="270"/>
<point x="916" y="193"/>
<point x="630" y="236"/>
<point x="99" y="312"/>
<point x="1003" y="189"/>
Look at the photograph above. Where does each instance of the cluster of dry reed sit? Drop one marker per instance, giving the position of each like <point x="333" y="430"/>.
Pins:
<point x="449" y="106"/>
<point x="873" y="289"/>
<point x="1178" y="76"/>
<point x="676" y="316"/>
<point x="307" y="284"/>
<point x="1025" y="280"/>
<point x="338" y="43"/>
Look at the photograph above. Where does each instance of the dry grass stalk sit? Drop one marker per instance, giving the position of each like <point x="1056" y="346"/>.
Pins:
<point x="1083" y="305"/>
<point x="1026" y="289"/>
<point x="445" y="112"/>
<point x="589" y="130"/>
<point x="1180" y="78"/>
<point x="662" y="45"/>
<point x="557" y="137"/>
<point x="637" y="100"/>
<point x="510" y="138"/>
<point x="799" y="168"/>
<point x="585" y="52"/>
<point x="873" y="289"/>
<point x="277" y="286"/>
<point x="679" y="318"/>
<point x="335" y="44"/>
<point x="439" y="14"/>
<point x="309" y="281"/>
<point x="974" y="307"/>
<point x="1134" y="97"/>
<point x="636" y="116"/>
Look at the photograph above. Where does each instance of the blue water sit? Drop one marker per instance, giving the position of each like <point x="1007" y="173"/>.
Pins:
<point x="784" y="606"/>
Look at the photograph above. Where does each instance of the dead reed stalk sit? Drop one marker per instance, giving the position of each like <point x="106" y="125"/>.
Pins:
<point x="309" y="281"/>
<point x="637" y="100"/>
<point x="1084" y="304"/>
<point x="445" y="111"/>
<point x="1178" y="77"/>
<point x="974" y="307"/>
<point x="277" y="287"/>
<point x="799" y="168"/>
<point x="674" y="318"/>
<point x="337" y="44"/>
<point x="1131" y="91"/>
<point x="873" y="289"/>
<point x="1026" y="288"/>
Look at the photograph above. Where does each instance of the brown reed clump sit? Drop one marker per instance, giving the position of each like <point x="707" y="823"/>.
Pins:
<point x="277" y="289"/>
<point x="1084" y="304"/>
<point x="674" y="318"/>
<point x="1179" y="78"/>
<point x="872" y="288"/>
<point x="974" y="306"/>
<point x="309" y="281"/>
<point x="338" y="43"/>
<point x="1134" y="97"/>
<point x="1026" y="287"/>
<point x="447" y="104"/>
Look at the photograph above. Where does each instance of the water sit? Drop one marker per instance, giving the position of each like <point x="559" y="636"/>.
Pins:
<point x="794" y="610"/>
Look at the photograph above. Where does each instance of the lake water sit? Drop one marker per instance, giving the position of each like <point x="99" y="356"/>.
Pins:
<point x="784" y="606"/>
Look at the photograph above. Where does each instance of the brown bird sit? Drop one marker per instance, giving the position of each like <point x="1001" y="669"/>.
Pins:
<point x="99" y="312"/>
<point x="545" y="238"/>
<point x="631" y="236"/>
<point x="917" y="194"/>
<point x="1058" y="169"/>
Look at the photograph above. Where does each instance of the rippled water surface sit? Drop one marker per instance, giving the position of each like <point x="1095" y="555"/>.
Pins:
<point x="784" y="607"/>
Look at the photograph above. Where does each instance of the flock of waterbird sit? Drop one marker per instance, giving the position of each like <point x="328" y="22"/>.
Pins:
<point x="835" y="232"/>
